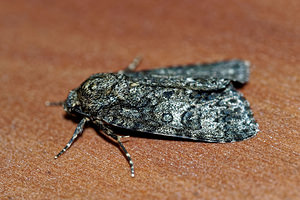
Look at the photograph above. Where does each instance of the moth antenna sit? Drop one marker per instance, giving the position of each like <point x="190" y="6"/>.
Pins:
<point x="132" y="66"/>
<point x="57" y="103"/>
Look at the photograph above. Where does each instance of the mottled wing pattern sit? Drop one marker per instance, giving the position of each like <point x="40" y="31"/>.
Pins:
<point x="183" y="82"/>
<point x="222" y="116"/>
<point x="234" y="70"/>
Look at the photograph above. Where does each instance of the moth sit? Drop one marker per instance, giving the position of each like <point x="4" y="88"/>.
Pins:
<point x="196" y="102"/>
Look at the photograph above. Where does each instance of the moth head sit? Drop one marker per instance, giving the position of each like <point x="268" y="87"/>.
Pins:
<point x="71" y="104"/>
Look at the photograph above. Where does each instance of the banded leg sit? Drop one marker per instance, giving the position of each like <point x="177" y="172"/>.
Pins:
<point x="132" y="66"/>
<point x="78" y="131"/>
<point x="118" y="139"/>
<point x="126" y="153"/>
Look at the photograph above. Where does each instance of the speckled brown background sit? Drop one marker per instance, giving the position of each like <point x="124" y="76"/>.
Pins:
<point x="50" y="47"/>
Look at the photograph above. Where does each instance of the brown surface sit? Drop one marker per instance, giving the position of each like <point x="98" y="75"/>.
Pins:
<point x="50" y="47"/>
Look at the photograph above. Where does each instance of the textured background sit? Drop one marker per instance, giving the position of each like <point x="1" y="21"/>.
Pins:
<point x="50" y="47"/>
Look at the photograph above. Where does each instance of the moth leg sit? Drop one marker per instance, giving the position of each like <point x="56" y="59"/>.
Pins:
<point x="127" y="154"/>
<point x="79" y="129"/>
<point x="57" y="103"/>
<point x="118" y="139"/>
<point x="132" y="66"/>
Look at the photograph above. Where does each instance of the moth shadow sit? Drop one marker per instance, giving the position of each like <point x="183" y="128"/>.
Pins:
<point x="145" y="135"/>
<point x="238" y="85"/>
<point x="72" y="118"/>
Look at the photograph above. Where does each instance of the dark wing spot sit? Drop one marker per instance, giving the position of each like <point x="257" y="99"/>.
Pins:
<point x="168" y="94"/>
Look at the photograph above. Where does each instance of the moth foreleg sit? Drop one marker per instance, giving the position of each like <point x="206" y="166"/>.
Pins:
<point x="79" y="129"/>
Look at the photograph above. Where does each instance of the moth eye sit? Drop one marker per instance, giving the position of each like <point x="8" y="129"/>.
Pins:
<point x="233" y="101"/>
